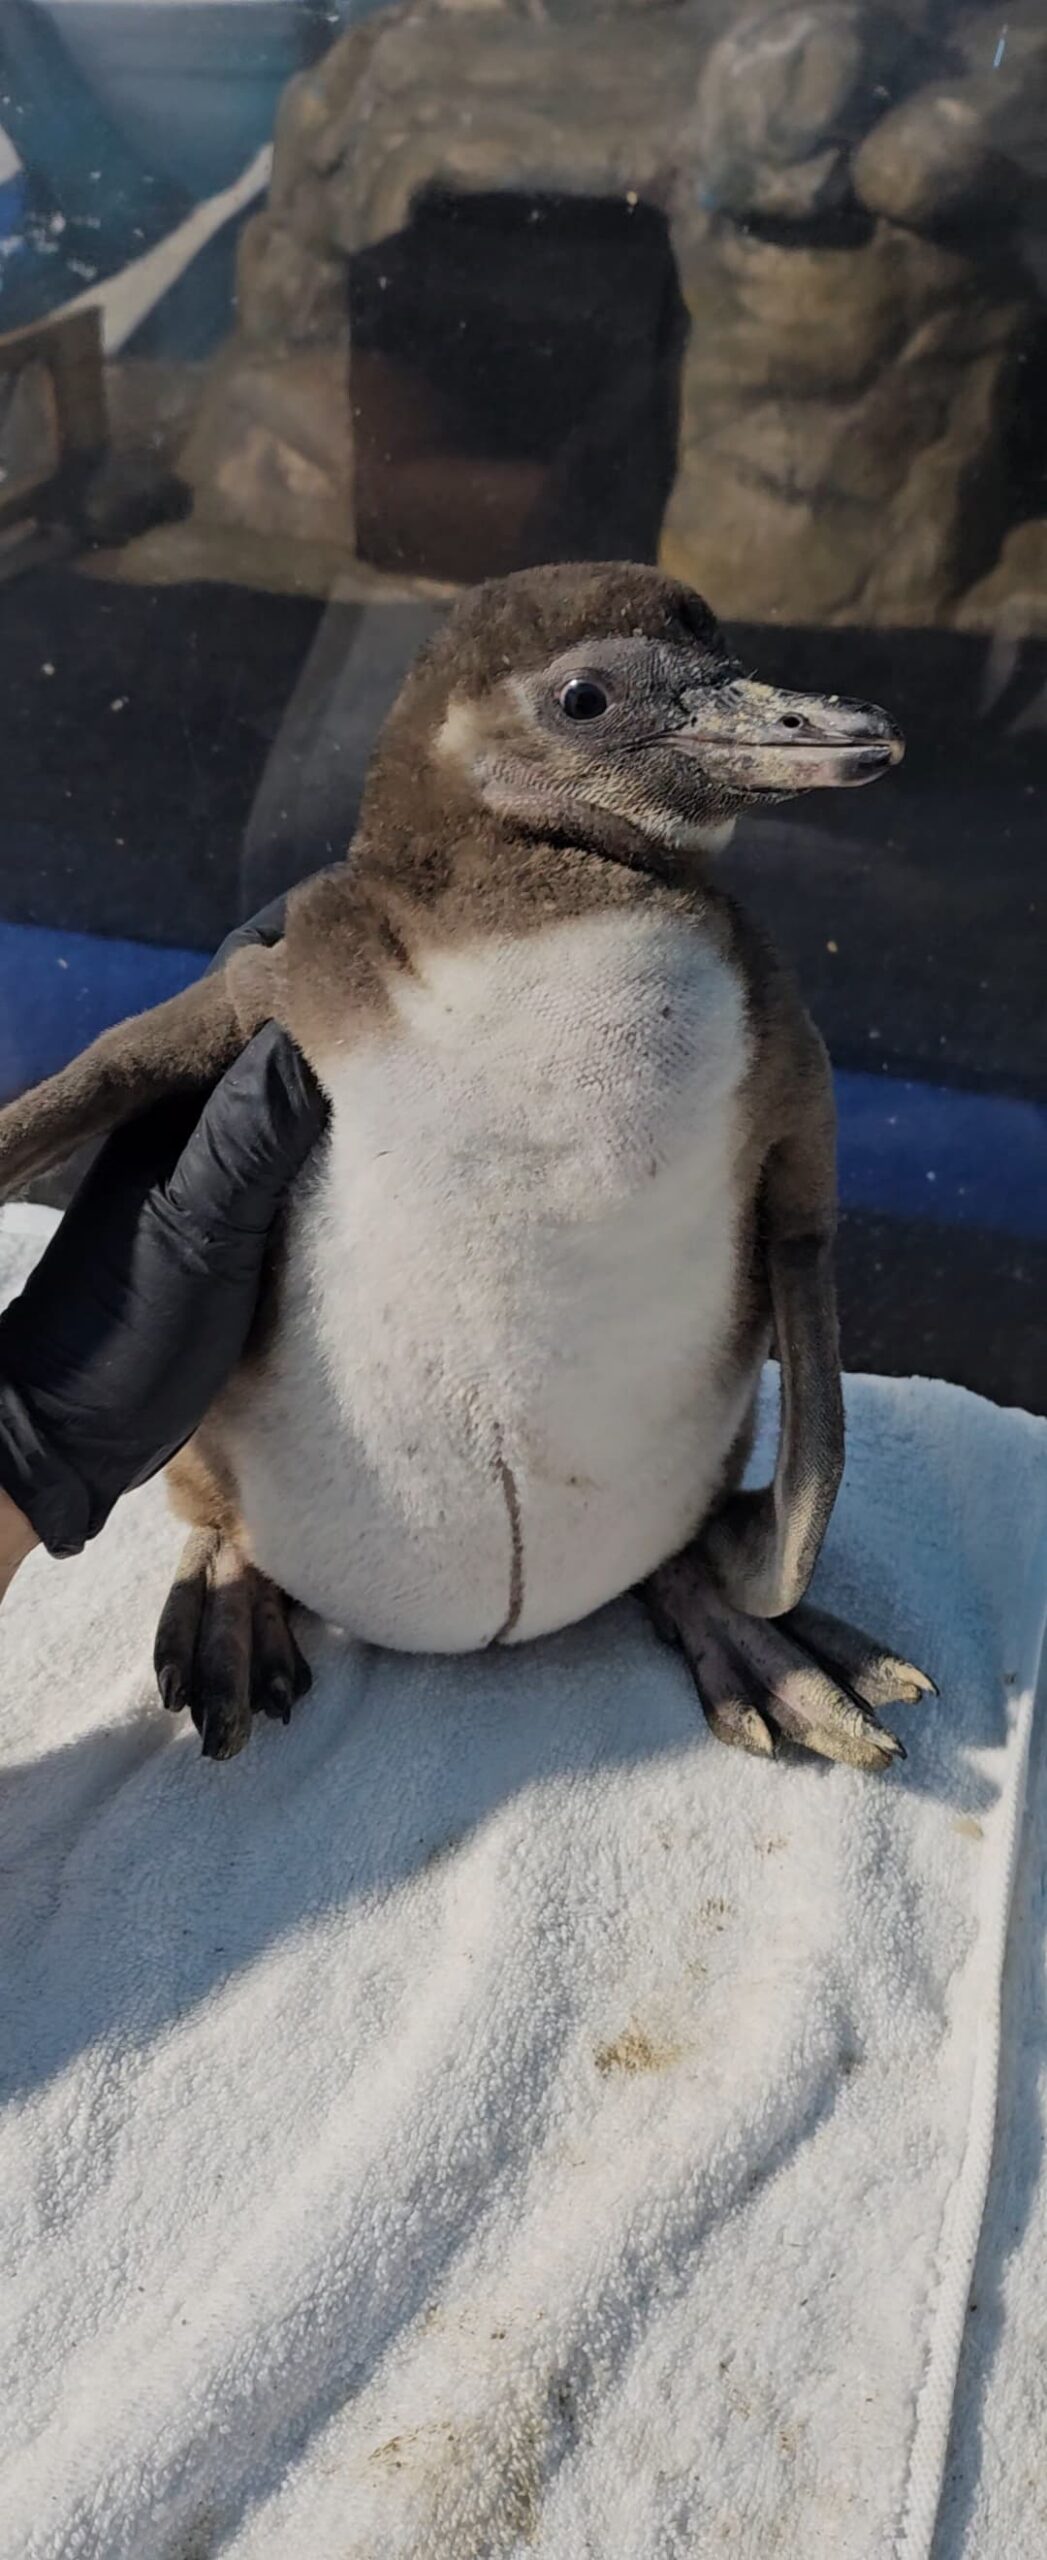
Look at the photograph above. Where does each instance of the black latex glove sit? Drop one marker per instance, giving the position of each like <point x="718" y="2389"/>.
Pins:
<point x="142" y="1302"/>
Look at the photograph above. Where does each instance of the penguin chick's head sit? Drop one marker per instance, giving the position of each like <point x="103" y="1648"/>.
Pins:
<point x="604" y="703"/>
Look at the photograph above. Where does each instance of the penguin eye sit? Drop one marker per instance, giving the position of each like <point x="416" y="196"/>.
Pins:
<point x="582" y="699"/>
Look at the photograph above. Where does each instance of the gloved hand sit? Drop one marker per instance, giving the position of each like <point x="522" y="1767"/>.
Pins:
<point x="141" y="1305"/>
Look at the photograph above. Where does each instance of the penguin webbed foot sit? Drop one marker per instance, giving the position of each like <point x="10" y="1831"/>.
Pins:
<point x="224" y="1646"/>
<point x="807" y="1678"/>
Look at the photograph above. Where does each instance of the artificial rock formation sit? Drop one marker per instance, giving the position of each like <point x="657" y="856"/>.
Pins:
<point x="803" y="356"/>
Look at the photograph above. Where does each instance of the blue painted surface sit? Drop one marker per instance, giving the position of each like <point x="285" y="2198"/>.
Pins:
<point x="59" y="990"/>
<point x="12" y="207"/>
<point x="926" y="1151"/>
<point x="907" y="1149"/>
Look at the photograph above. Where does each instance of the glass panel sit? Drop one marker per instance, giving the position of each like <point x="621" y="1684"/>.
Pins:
<point x="311" y="314"/>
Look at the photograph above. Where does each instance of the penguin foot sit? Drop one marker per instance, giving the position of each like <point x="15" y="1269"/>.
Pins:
<point x="807" y="1677"/>
<point x="224" y="1646"/>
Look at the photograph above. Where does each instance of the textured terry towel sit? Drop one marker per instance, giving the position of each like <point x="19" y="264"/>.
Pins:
<point x="489" y="2118"/>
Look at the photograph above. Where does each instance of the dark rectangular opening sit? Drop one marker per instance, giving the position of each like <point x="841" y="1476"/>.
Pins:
<point x="515" y="383"/>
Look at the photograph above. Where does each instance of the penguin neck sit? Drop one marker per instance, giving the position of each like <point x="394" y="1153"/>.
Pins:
<point x="428" y="846"/>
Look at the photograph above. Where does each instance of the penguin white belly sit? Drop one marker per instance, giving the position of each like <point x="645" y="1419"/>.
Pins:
<point x="498" y="1394"/>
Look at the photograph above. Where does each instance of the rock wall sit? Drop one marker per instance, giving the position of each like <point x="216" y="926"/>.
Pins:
<point x="854" y="194"/>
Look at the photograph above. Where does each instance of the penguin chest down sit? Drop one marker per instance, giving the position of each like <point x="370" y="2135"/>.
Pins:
<point x="502" y="1387"/>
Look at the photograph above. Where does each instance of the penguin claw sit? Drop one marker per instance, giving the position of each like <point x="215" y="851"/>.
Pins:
<point x="224" y="1647"/>
<point x="808" y="1679"/>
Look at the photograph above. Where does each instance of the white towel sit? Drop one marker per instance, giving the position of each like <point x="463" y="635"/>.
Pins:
<point x="994" y="2504"/>
<point x="490" y="2118"/>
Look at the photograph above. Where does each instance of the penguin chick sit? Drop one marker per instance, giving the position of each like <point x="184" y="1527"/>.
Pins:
<point x="580" y="1164"/>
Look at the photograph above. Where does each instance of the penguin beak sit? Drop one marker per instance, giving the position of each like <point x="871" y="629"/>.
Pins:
<point x="753" y="738"/>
